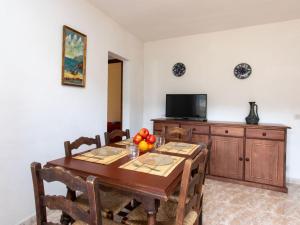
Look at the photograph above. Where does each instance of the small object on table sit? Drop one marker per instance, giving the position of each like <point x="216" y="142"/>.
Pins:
<point x="104" y="155"/>
<point x="124" y="142"/>
<point x="133" y="150"/>
<point x="178" y="148"/>
<point x="160" y="140"/>
<point x="144" y="140"/>
<point x="154" y="163"/>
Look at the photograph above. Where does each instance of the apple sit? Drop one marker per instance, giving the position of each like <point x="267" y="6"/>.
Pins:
<point x="151" y="139"/>
<point x="144" y="133"/>
<point x="137" y="139"/>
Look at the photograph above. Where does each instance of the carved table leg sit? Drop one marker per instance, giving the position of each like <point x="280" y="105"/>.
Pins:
<point x="65" y="219"/>
<point x="151" y="206"/>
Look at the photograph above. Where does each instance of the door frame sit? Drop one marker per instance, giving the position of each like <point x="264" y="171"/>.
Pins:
<point x="111" y="61"/>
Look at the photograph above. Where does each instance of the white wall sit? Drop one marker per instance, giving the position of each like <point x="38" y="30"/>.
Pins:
<point x="37" y="113"/>
<point x="272" y="50"/>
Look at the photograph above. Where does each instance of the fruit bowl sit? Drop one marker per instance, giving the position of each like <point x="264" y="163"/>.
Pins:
<point x="144" y="140"/>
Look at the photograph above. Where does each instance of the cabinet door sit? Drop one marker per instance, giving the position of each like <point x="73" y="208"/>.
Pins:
<point x="264" y="162"/>
<point x="227" y="157"/>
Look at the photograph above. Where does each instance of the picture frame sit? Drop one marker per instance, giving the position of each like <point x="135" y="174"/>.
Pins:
<point x="73" y="57"/>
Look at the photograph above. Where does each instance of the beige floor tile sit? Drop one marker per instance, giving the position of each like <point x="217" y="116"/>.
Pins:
<point x="232" y="204"/>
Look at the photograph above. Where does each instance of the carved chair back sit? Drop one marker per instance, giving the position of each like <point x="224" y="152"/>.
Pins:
<point x="209" y="145"/>
<point x="81" y="141"/>
<point x="191" y="187"/>
<point x="109" y="137"/>
<point x="90" y="187"/>
<point x="177" y="134"/>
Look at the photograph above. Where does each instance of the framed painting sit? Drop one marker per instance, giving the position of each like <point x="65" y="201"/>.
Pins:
<point x="73" y="58"/>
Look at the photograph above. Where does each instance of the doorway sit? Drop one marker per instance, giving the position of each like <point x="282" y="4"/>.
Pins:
<point x="115" y="95"/>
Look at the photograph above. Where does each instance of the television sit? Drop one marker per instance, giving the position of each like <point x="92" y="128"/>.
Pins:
<point x="186" y="106"/>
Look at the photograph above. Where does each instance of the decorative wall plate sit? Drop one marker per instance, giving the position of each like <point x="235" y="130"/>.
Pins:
<point x="179" y="69"/>
<point x="242" y="71"/>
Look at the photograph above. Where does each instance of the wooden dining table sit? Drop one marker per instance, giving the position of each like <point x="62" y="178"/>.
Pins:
<point x="146" y="188"/>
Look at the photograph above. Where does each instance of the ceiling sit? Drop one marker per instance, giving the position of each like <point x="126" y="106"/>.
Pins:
<point x="159" y="19"/>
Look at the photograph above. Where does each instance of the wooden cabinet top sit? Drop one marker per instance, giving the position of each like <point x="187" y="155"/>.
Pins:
<point x="222" y="123"/>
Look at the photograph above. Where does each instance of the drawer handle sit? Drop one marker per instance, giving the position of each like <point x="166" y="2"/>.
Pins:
<point x="226" y="131"/>
<point x="264" y="134"/>
<point x="241" y="158"/>
<point x="247" y="159"/>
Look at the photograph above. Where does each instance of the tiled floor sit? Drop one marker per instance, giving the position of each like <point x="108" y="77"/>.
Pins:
<point x="232" y="204"/>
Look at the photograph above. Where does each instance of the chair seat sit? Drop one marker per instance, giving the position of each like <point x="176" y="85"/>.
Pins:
<point x="104" y="222"/>
<point x="170" y="206"/>
<point x="112" y="202"/>
<point x="139" y="217"/>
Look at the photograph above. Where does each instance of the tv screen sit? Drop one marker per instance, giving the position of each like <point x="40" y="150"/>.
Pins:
<point x="186" y="105"/>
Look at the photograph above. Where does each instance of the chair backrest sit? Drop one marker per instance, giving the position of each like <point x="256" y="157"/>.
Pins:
<point x="177" y="134"/>
<point x="209" y="145"/>
<point x="90" y="187"/>
<point x="69" y="146"/>
<point x="191" y="186"/>
<point x="115" y="133"/>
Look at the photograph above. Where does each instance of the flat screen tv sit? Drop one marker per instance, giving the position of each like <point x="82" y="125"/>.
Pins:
<point x="186" y="106"/>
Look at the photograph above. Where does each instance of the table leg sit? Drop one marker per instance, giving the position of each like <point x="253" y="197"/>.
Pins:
<point x="151" y="206"/>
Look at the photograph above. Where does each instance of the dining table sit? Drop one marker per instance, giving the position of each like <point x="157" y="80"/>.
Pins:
<point x="148" y="189"/>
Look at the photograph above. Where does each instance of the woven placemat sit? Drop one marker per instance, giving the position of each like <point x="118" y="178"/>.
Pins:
<point x="90" y="157"/>
<point x="165" y="170"/>
<point x="178" y="148"/>
<point x="124" y="142"/>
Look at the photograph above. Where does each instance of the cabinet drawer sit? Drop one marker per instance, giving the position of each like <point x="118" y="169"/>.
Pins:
<point x="266" y="134"/>
<point x="197" y="138"/>
<point x="227" y="131"/>
<point x="159" y="126"/>
<point x="197" y="129"/>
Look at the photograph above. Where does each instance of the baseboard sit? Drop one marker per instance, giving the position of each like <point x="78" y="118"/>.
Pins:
<point x="293" y="180"/>
<point x="28" y="221"/>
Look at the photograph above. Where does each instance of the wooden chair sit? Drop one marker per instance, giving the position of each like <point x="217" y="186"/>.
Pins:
<point x="92" y="216"/>
<point x="177" y="134"/>
<point x="175" y="196"/>
<point x="112" y="200"/>
<point x="189" y="207"/>
<point x="209" y="145"/>
<point x="79" y="142"/>
<point x="109" y="137"/>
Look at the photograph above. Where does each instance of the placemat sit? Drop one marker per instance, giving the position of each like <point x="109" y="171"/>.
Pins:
<point x="90" y="157"/>
<point x="124" y="142"/>
<point x="163" y="170"/>
<point x="178" y="148"/>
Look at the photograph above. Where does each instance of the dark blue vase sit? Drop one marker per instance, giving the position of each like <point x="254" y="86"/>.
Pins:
<point x="252" y="118"/>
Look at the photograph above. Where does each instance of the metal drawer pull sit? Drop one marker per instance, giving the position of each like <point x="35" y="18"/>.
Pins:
<point x="264" y="134"/>
<point x="247" y="159"/>
<point x="241" y="158"/>
<point x="226" y="131"/>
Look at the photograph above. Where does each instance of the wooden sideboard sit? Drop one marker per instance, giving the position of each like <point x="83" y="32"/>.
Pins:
<point x="253" y="155"/>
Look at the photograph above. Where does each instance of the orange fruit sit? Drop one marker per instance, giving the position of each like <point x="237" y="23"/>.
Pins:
<point x="150" y="146"/>
<point x="143" y="145"/>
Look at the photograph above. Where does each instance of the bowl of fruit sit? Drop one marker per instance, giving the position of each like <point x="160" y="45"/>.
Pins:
<point x="144" y="140"/>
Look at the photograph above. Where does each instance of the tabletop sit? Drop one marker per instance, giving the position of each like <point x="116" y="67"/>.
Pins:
<point x="111" y="175"/>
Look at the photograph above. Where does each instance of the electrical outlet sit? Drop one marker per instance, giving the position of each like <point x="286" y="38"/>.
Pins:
<point x="297" y="116"/>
